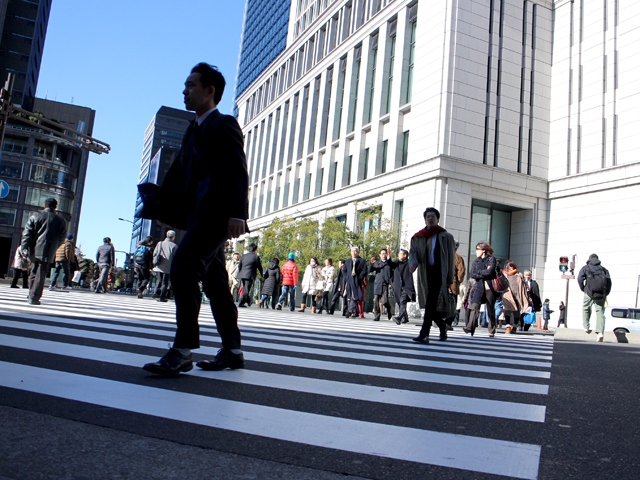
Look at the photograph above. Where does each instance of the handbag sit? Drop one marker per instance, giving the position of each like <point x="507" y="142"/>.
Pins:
<point x="452" y="303"/>
<point x="530" y="318"/>
<point x="500" y="284"/>
<point x="76" y="276"/>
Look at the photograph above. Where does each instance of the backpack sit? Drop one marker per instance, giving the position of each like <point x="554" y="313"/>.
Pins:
<point x="140" y="255"/>
<point x="596" y="282"/>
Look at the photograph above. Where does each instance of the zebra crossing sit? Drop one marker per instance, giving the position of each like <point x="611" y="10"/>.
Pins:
<point x="355" y="393"/>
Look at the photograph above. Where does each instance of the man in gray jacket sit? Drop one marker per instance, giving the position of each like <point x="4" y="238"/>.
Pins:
<point x="162" y="258"/>
<point x="41" y="237"/>
<point x="105" y="258"/>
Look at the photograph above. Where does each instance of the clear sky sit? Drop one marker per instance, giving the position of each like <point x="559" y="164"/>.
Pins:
<point x="126" y="59"/>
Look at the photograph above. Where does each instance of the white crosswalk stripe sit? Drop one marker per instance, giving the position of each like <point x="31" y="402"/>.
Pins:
<point x="307" y="360"/>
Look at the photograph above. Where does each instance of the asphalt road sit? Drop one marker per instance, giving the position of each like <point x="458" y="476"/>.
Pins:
<point x="321" y="397"/>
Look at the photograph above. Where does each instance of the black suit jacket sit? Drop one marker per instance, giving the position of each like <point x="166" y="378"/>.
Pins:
<point x="208" y="183"/>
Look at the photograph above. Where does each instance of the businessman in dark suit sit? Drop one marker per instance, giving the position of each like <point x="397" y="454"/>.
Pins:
<point x="206" y="193"/>
<point x="355" y="271"/>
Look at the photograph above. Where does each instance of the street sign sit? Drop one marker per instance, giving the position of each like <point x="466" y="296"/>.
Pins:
<point x="4" y="189"/>
<point x="568" y="277"/>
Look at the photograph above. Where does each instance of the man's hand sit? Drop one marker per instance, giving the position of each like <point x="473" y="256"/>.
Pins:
<point x="235" y="228"/>
<point x="373" y="260"/>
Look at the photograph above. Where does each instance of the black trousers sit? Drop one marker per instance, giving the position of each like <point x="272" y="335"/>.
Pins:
<point x="200" y="257"/>
<point x="324" y="303"/>
<point x="431" y="313"/>
<point x="17" y="273"/>
<point x="247" y="285"/>
<point x="163" y="285"/>
<point x="402" y="307"/>
<point x="144" y="275"/>
<point x="474" y="313"/>
<point x="384" y="300"/>
<point x="334" y="301"/>
<point x="37" y="279"/>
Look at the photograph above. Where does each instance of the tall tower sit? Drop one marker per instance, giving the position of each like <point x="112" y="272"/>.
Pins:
<point x="23" y="27"/>
<point x="162" y="141"/>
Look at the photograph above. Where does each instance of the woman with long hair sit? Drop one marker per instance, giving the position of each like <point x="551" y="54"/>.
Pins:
<point x="271" y="284"/>
<point x="312" y="274"/>
<point x="516" y="299"/>
<point x="482" y="270"/>
<point x="328" y="279"/>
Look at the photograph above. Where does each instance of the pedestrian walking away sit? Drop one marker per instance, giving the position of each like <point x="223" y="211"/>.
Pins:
<point x="205" y="192"/>
<point x="403" y="288"/>
<point x="289" y="282"/>
<point x="162" y="260"/>
<point x="594" y="280"/>
<point x="143" y="259"/>
<point x="21" y="265"/>
<point x="432" y="253"/>
<point x="546" y="315"/>
<point x="65" y="257"/>
<point x="271" y="285"/>
<point x="383" y="270"/>
<point x="44" y="233"/>
<point x="248" y="268"/>
<point x="105" y="259"/>
<point x="483" y="270"/>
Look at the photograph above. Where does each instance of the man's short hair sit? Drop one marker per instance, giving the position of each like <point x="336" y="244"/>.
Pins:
<point x="405" y="251"/>
<point x="210" y="76"/>
<point x="252" y="247"/>
<point x="171" y="234"/>
<point x="384" y="250"/>
<point x="106" y="240"/>
<point x="431" y="209"/>
<point x="51" y="203"/>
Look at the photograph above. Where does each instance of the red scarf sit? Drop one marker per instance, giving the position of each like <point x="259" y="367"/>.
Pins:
<point x="429" y="232"/>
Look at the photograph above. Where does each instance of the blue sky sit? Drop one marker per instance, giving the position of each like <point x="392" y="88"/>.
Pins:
<point x="125" y="59"/>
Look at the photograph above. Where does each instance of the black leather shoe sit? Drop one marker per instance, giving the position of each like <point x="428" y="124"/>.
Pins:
<point x="449" y="327"/>
<point x="466" y="330"/>
<point x="376" y="319"/>
<point x="397" y="320"/>
<point x="404" y="320"/>
<point x="421" y="340"/>
<point x="443" y="336"/>
<point x="172" y="364"/>
<point x="34" y="302"/>
<point x="224" y="359"/>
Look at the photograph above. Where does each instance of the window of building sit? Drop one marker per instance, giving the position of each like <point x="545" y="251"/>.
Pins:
<point x="42" y="150"/>
<point x="346" y="21"/>
<point x="346" y="171"/>
<point x="405" y="148"/>
<point x="337" y="121"/>
<point x="321" y="39"/>
<point x="267" y="143"/>
<point x="15" y="145"/>
<point x="333" y="33"/>
<point x="285" y="195"/>
<point x="7" y="216"/>
<point x="303" y="121"/>
<point x="490" y="223"/>
<point x="355" y="81"/>
<point x="11" y="169"/>
<point x="285" y="119"/>
<point x="325" y="108"/>
<point x="364" y="165"/>
<point x="333" y="175"/>
<point x="276" y="195"/>
<point x="314" y="115"/>
<point x="383" y="157"/>
<point x="369" y="219"/>
<point x="292" y="130"/>
<point x="371" y="78"/>
<point x="296" y="185"/>
<point x="52" y="176"/>
<point x="413" y="10"/>
<point x="36" y="197"/>
<point x="398" y="211"/>
<point x="341" y="219"/>
<point x="391" y="55"/>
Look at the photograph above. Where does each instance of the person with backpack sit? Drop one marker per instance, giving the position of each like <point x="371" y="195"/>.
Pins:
<point x="143" y="260"/>
<point x="595" y="282"/>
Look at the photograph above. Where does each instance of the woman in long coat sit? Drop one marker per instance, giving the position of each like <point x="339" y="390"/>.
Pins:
<point x="516" y="299"/>
<point x="328" y="279"/>
<point x="271" y="286"/>
<point x="312" y="274"/>
<point x="21" y="266"/>
<point x="482" y="270"/>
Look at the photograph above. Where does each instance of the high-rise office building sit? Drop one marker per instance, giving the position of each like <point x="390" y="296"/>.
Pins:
<point x="37" y="165"/>
<point x="162" y="140"/>
<point x="515" y="119"/>
<point x="23" y="28"/>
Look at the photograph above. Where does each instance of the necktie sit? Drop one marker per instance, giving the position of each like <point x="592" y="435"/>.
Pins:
<point x="353" y="270"/>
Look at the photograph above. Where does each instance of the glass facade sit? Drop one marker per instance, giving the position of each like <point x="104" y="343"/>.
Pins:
<point x="264" y="37"/>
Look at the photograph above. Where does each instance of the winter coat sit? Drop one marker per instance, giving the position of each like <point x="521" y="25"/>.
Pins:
<point x="354" y="283"/>
<point x="419" y="256"/>
<point x="290" y="274"/>
<point x="546" y="311"/>
<point x="43" y="234"/>
<point x="403" y="281"/>
<point x="483" y="270"/>
<point x="66" y="252"/>
<point x="384" y="275"/>
<point x="593" y="266"/>
<point x="561" y="308"/>
<point x="232" y="271"/>
<point x="20" y="262"/>
<point x="163" y="255"/>
<point x="516" y="298"/>
<point x="312" y="275"/>
<point x="106" y="255"/>
<point x="339" y="284"/>
<point x="272" y="279"/>
<point x="250" y="263"/>
<point x="328" y="277"/>
<point x="458" y="274"/>
<point x="534" y="295"/>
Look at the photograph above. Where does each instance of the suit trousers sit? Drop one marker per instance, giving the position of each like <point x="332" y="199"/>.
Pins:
<point x="402" y="307"/>
<point x="37" y="279"/>
<point x="163" y="285"/>
<point x="431" y="313"/>
<point x="200" y="258"/>
<point x="384" y="300"/>
<point x="247" y="285"/>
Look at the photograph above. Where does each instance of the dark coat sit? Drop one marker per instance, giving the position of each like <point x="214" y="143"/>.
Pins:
<point x="43" y="234"/>
<point x="482" y="270"/>
<point x="272" y="279"/>
<point x="561" y="308"/>
<point x="534" y="296"/>
<point x="207" y="180"/>
<point x="403" y="281"/>
<point x="592" y="266"/>
<point x="354" y="284"/>
<point x="250" y="263"/>
<point x="384" y="275"/>
<point x="339" y="284"/>
<point x="106" y="255"/>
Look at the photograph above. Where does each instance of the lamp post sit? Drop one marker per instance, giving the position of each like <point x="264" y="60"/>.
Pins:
<point x="125" y="220"/>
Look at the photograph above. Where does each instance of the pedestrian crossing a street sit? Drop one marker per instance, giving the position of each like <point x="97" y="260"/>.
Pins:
<point x="320" y="391"/>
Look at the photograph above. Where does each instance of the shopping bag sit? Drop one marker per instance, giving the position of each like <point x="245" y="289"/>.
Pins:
<point x="76" y="276"/>
<point x="530" y="318"/>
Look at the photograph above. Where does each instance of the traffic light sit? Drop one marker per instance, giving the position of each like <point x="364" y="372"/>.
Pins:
<point x="564" y="264"/>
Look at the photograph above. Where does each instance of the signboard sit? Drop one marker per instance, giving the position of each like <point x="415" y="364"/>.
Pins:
<point x="4" y="189"/>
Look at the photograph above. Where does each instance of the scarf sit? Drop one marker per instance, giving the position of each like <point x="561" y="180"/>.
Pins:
<point x="429" y="232"/>
<point x="511" y="271"/>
